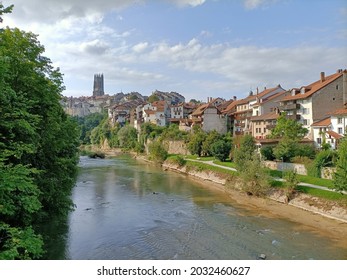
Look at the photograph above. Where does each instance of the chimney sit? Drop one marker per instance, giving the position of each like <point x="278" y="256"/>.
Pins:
<point x="322" y="77"/>
<point x="235" y="98"/>
<point x="257" y="90"/>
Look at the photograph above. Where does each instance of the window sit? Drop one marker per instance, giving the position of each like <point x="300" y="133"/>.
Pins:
<point x="306" y="122"/>
<point x="264" y="130"/>
<point x="339" y="120"/>
<point x="340" y="130"/>
<point x="319" y="140"/>
<point x="337" y="87"/>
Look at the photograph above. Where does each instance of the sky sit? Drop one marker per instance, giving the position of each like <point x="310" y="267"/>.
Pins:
<point x="199" y="48"/>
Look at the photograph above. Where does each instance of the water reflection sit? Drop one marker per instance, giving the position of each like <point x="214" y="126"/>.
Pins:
<point x="131" y="210"/>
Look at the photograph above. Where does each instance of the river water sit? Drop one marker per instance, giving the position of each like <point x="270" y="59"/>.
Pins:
<point x="128" y="209"/>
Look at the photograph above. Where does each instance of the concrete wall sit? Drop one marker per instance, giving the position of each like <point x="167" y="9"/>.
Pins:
<point x="283" y="166"/>
<point x="328" y="99"/>
<point x="214" y="121"/>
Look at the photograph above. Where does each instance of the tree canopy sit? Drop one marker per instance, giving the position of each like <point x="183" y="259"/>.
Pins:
<point x="38" y="144"/>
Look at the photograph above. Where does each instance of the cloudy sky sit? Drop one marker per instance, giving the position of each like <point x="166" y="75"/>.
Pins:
<point x="199" y="48"/>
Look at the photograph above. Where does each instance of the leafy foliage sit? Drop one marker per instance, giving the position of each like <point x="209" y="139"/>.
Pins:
<point x="287" y="128"/>
<point x="340" y="176"/>
<point x="245" y="152"/>
<point x="157" y="151"/>
<point x="221" y="149"/>
<point x="38" y="144"/>
<point x="196" y="141"/>
<point x="256" y="180"/>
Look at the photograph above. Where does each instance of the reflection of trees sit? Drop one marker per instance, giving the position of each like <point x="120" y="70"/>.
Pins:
<point x="54" y="233"/>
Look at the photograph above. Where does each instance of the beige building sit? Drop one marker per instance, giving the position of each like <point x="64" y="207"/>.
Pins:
<point x="263" y="124"/>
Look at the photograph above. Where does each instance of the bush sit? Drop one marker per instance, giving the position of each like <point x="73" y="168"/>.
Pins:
<point x="221" y="149"/>
<point x="324" y="158"/>
<point x="179" y="160"/>
<point x="157" y="152"/>
<point x="267" y="152"/>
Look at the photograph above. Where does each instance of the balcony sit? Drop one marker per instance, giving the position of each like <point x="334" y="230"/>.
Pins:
<point x="293" y="117"/>
<point x="289" y="107"/>
<point x="270" y="126"/>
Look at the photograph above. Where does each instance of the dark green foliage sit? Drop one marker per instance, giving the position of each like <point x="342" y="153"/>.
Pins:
<point x="305" y="150"/>
<point x="196" y="141"/>
<point x="267" y="152"/>
<point x="38" y="144"/>
<point x="87" y="124"/>
<point x="245" y="152"/>
<point x="221" y="149"/>
<point x="285" y="149"/>
<point x="323" y="159"/>
<point x="340" y="176"/>
<point x="211" y="138"/>
<point x="172" y="132"/>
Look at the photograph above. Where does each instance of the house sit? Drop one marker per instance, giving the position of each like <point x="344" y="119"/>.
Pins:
<point x="315" y="101"/>
<point x="331" y="129"/>
<point x="181" y="111"/>
<point x="208" y="116"/>
<point x="243" y="110"/>
<point x="263" y="124"/>
<point x="157" y="112"/>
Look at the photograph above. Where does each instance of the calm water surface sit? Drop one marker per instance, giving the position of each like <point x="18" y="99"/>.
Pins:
<point x="127" y="209"/>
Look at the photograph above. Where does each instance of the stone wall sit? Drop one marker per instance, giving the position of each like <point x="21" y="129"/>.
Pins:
<point x="177" y="147"/>
<point x="283" y="166"/>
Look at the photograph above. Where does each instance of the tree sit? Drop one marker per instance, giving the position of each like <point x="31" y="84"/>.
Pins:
<point x="153" y="98"/>
<point x="157" y="151"/>
<point x="255" y="178"/>
<point x="340" y="176"/>
<point x="221" y="149"/>
<point x="245" y="152"/>
<point x="289" y="129"/>
<point x="211" y="138"/>
<point x="4" y="10"/>
<point x="196" y="140"/>
<point x="38" y="144"/>
<point x="127" y="137"/>
<point x="290" y="183"/>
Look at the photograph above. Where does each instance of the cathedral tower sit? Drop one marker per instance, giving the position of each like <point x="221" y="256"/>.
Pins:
<point x="98" y="89"/>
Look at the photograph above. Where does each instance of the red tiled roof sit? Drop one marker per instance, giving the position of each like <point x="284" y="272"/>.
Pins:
<point x="342" y="111"/>
<point x="268" y="116"/>
<point x="324" y="122"/>
<point x="314" y="87"/>
<point x="334" y="134"/>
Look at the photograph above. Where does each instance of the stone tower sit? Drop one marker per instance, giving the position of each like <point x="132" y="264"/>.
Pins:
<point x="98" y="89"/>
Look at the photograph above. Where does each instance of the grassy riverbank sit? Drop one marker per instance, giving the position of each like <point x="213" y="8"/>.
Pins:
<point x="203" y="163"/>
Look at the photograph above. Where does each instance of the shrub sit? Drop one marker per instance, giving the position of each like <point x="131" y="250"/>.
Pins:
<point x="267" y="152"/>
<point x="221" y="149"/>
<point x="157" y="152"/>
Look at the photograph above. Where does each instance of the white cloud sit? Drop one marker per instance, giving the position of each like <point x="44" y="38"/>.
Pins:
<point x="253" y="4"/>
<point x="140" y="47"/>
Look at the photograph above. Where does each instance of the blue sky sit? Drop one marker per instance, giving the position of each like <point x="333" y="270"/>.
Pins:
<point x="199" y="48"/>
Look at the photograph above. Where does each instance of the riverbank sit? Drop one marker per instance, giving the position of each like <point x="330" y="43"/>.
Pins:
<point x="318" y="215"/>
<point x="315" y="214"/>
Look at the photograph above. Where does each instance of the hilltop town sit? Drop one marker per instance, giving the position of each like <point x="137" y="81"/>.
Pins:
<point x="321" y="108"/>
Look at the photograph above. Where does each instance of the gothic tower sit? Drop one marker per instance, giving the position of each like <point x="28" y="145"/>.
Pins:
<point x="98" y="89"/>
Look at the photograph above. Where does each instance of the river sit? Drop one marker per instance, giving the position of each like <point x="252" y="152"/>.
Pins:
<point x="129" y="209"/>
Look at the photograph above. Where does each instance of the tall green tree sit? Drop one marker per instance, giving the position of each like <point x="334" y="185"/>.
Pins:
<point x="289" y="129"/>
<point x="38" y="144"/>
<point x="245" y="152"/>
<point x="340" y="176"/>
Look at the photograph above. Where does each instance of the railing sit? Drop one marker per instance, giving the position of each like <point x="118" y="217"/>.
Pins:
<point x="289" y="107"/>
